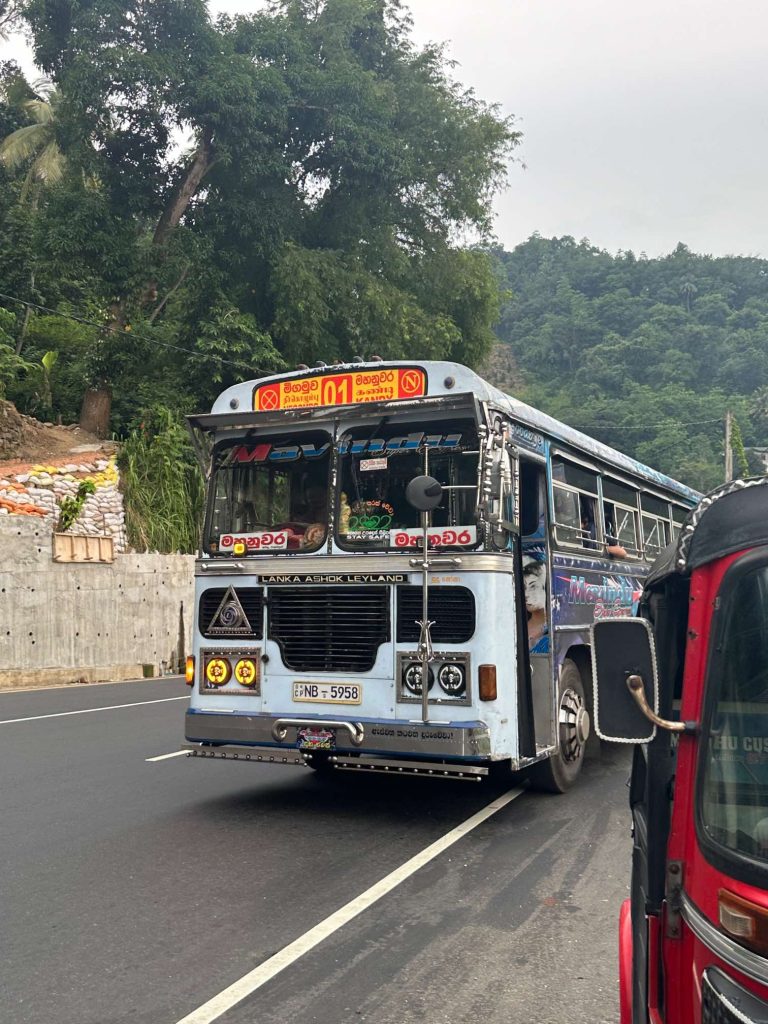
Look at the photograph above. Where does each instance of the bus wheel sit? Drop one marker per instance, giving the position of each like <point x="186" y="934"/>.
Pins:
<point x="559" y="772"/>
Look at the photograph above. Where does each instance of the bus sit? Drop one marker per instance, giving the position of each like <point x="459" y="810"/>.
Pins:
<point x="340" y="626"/>
<point x="687" y="682"/>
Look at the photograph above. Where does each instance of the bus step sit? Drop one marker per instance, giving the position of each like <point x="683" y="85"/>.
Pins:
<point x="265" y="756"/>
<point x="435" y="770"/>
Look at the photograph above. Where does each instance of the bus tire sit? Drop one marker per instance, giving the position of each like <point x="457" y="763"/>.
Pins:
<point x="559" y="772"/>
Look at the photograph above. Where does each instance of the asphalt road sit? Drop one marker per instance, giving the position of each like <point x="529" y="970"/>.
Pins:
<point x="133" y="892"/>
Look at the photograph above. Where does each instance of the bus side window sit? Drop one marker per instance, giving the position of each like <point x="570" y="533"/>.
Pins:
<point x="532" y="518"/>
<point x="574" y="495"/>
<point x="620" y="515"/>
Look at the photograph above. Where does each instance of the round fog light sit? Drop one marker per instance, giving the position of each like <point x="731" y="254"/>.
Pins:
<point x="246" y="672"/>
<point x="412" y="678"/>
<point x="451" y="679"/>
<point x="218" y="671"/>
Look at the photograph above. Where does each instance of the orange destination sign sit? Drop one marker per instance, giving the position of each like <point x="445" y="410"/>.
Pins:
<point x="341" y="389"/>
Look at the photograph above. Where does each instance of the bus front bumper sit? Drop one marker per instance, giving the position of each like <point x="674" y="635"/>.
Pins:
<point x="293" y="734"/>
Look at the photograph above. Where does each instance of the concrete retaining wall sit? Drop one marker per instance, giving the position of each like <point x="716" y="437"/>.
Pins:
<point x="65" y="622"/>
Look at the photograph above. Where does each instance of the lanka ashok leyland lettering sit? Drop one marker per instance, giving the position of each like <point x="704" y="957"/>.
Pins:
<point x="311" y="646"/>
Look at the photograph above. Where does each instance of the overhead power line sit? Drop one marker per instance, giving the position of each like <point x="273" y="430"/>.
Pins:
<point x="130" y="333"/>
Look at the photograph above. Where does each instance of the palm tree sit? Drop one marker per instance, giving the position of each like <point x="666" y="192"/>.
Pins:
<point x="36" y="143"/>
<point x="688" y="289"/>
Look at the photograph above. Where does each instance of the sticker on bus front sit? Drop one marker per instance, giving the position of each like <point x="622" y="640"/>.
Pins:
<point x="328" y="693"/>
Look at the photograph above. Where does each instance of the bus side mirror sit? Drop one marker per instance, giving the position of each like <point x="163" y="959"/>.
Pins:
<point x="624" y="649"/>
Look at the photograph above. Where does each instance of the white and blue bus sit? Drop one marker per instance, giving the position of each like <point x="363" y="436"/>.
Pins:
<point x="311" y="644"/>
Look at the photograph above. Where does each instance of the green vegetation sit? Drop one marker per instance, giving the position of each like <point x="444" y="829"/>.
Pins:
<point x="72" y="507"/>
<point x="163" y="487"/>
<point x="189" y="202"/>
<point x="645" y="354"/>
<point x="216" y="200"/>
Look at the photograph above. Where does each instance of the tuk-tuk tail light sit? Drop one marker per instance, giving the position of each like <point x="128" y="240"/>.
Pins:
<point x="744" y="921"/>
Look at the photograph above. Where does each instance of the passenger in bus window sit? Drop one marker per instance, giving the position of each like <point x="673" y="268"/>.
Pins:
<point x="588" y="527"/>
<point x="613" y="547"/>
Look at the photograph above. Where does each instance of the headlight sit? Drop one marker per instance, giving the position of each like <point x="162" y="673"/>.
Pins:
<point x="451" y="679"/>
<point x="247" y="672"/>
<point x="218" y="671"/>
<point x="412" y="678"/>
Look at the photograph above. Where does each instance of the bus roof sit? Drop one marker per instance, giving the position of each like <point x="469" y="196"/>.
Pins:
<point x="450" y="379"/>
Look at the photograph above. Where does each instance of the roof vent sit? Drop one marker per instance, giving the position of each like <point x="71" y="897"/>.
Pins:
<point x="376" y="359"/>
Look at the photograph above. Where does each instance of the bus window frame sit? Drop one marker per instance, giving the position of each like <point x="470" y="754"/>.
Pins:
<point x="633" y="550"/>
<point x="733" y="864"/>
<point x="657" y="522"/>
<point x="405" y="423"/>
<point x="210" y="495"/>
<point x="596" y="545"/>
<point x="586" y="542"/>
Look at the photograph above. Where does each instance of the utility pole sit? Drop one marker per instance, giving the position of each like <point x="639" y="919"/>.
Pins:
<point x="728" y="446"/>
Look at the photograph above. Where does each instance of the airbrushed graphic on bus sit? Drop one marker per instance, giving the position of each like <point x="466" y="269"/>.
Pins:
<point x="583" y="592"/>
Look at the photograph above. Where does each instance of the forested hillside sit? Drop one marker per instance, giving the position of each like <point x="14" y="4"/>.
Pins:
<point x="644" y="354"/>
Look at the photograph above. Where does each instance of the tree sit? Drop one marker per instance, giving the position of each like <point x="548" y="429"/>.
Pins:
<point x="329" y="167"/>
<point x="35" y="144"/>
<point x="605" y="343"/>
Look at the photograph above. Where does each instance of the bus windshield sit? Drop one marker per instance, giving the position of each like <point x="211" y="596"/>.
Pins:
<point x="269" y="494"/>
<point x="375" y="468"/>
<point x="734" y="790"/>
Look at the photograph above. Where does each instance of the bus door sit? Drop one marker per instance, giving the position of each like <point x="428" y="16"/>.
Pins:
<point x="538" y="606"/>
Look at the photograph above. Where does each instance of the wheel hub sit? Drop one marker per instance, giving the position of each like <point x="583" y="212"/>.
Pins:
<point x="574" y="725"/>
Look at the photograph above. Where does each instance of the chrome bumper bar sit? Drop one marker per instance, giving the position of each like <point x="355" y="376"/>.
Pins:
<point x="465" y="740"/>
<point x="361" y="763"/>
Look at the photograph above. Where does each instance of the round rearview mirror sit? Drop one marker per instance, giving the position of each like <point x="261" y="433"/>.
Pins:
<point x="424" y="493"/>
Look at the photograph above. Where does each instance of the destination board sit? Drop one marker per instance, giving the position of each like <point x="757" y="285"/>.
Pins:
<point x="341" y="389"/>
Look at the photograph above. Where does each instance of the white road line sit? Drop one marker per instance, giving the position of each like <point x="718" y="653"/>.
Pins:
<point x="94" y="685"/>
<point x="164" y="757"/>
<point x="260" y="975"/>
<point x="90" y="711"/>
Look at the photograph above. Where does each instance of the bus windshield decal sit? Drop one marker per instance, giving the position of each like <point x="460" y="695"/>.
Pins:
<point x="410" y="443"/>
<point x="269" y="453"/>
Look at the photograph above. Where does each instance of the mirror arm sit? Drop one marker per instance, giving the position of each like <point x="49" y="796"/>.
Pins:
<point x="637" y="689"/>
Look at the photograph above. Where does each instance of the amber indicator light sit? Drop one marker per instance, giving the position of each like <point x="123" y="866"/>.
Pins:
<point x="189" y="670"/>
<point x="744" y="921"/>
<point x="487" y="686"/>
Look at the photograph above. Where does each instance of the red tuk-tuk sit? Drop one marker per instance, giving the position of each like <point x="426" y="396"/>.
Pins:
<point x="687" y="682"/>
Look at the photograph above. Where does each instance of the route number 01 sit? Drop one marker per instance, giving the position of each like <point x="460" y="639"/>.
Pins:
<point x="336" y="393"/>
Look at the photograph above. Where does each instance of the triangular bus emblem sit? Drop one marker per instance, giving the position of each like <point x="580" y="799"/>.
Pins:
<point x="230" y="618"/>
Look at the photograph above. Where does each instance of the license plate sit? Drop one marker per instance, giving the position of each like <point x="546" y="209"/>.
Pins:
<point x="328" y="693"/>
<point x="313" y="738"/>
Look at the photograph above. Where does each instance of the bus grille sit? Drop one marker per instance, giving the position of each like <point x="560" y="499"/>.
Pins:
<point x="251" y="601"/>
<point x="452" y="609"/>
<point x="329" y="629"/>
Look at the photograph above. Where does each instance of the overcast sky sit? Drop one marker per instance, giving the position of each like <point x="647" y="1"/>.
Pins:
<point x="645" y="123"/>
